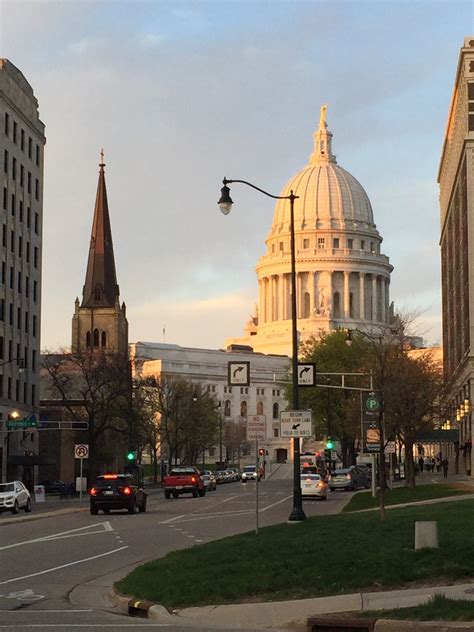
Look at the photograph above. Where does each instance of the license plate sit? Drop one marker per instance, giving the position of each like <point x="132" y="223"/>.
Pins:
<point x="108" y="493"/>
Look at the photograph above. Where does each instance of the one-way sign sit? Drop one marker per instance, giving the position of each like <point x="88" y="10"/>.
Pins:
<point x="306" y="373"/>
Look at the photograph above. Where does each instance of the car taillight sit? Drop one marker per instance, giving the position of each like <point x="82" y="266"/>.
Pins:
<point x="320" y="484"/>
<point x="348" y="476"/>
<point x="193" y="479"/>
<point x="127" y="491"/>
<point x="93" y="492"/>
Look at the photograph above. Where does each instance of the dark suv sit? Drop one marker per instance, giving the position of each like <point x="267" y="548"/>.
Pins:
<point x="349" y="478"/>
<point x="116" y="491"/>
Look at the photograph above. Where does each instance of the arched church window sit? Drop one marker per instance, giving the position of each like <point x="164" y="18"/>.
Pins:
<point x="243" y="409"/>
<point x="276" y="410"/>
<point x="88" y="339"/>
<point x="227" y="409"/>
<point x="337" y="305"/>
<point x="259" y="408"/>
<point x="96" y="337"/>
<point x="103" y="339"/>
<point x="97" y="295"/>
<point x="306" y="304"/>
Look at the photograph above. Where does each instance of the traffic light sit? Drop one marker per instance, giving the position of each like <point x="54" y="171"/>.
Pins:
<point x="131" y="456"/>
<point x="329" y="443"/>
<point x="261" y="451"/>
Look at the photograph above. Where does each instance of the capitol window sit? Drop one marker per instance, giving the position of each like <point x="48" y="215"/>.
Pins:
<point x="305" y="243"/>
<point x="335" y="242"/>
<point x="362" y="244"/>
<point x="321" y="243"/>
<point x="350" y="244"/>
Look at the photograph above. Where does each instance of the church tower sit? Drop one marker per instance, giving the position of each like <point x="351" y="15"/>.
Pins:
<point x="100" y="322"/>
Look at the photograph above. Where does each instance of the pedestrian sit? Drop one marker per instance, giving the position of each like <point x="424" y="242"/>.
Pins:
<point x="432" y="464"/>
<point x="421" y="462"/>
<point x="445" y="464"/>
<point x="438" y="463"/>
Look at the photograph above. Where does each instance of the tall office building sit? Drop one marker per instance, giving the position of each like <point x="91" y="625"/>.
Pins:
<point x="456" y="181"/>
<point x="22" y="143"/>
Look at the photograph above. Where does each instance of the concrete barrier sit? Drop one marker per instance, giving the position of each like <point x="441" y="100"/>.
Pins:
<point x="426" y="535"/>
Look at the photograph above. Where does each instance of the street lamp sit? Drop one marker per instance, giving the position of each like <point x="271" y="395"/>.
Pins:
<point x="14" y="414"/>
<point x="225" y="204"/>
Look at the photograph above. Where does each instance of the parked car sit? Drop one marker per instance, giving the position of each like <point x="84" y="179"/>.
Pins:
<point x="58" y="487"/>
<point x="222" y="476"/>
<point x="313" y="485"/>
<point x="184" y="479"/>
<point x="236" y="473"/>
<point x="116" y="491"/>
<point x="249" y="473"/>
<point x="231" y="473"/>
<point x="210" y="482"/>
<point x="14" y="496"/>
<point x="348" y="478"/>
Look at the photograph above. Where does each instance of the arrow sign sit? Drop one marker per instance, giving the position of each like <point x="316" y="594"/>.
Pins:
<point x="306" y="373"/>
<point x="296" y="423"/>
<point x="238" y="373"/>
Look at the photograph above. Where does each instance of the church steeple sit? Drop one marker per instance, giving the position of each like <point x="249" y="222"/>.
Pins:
<point x="100" y="288"/>
<point x="322" y="141"/>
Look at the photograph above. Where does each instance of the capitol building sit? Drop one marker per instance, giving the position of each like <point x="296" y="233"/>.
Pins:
<point x="343" y="278"/>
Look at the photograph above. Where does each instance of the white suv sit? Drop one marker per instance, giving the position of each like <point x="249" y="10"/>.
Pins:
<point x="14" y="496"/>
<point x="249" y="473"/>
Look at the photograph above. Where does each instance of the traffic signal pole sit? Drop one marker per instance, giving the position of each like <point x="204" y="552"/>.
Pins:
<point x="256" y="486"/>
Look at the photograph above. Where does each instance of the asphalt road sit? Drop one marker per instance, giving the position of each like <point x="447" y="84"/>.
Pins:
<point x="55" y="570"/>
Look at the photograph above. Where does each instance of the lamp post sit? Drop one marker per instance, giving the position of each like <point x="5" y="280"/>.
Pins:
<point x="225" y="204"/>
<point x="20" y="362"/>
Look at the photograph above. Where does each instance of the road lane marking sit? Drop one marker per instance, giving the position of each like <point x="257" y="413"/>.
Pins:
<point x="172" y="519"/>
<point x="106" y="526"/>
<point x="278" y="502"/>
<point x="57" y="568"/>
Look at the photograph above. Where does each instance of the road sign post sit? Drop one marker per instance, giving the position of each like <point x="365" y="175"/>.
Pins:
<point x="81" y="452"/>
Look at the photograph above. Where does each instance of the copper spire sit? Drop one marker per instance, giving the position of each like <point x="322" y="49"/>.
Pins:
<point x="100" y="288"/>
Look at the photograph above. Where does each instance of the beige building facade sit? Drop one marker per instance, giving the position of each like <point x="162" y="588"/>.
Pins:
<point x="343" y="278"/>
<point x="22" y="141"/>
<point x="456" y="181"/>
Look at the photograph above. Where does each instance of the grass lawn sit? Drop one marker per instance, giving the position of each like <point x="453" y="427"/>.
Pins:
<point x="397" y="495"/>
<point x="326" y="555"/>
<point x="439" y="608"/>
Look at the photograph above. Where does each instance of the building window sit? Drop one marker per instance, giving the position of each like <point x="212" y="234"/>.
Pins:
<point x="10" y="350"/>
<point x="97" y="295"/>
<point x="37" y="188"/>
<point x="30" y="147"/>
<point x="12" y="273"/>
<point x="372" y="247"/>
<point x="2" y="347"/>
<point x="4" y="236"/>
<point x="280" y="246"/>
<point x="14" y="168"/>
<point x="36" y="223"/>
<point x="305" y="243"/>
<point x="17" y="390"/>
<point x="15" y="129"/>
<point x="22" y="140"/>
<point x="33" y="359"/>
<point x="13" y="204"/>
<point x="10" y="319"/>
<point x="28" y="217"/>
<point x="33" y="394"/>
<point x="7" y="124"/>
<point x="22" y="175"/>
<point x="88" y="339"/>
<point x="27" y="286"/>
<point x="259" y="408"/>
<point x="470" y="96"/>
<point x="2" y="309"/>
<point x="321" y="243"/>
<point x="4" y="268"/>
<point x="103" y="339"/>
<point x="20" y="246"/>
<point x="12" y="241"/>
<point x="35" y="290"/>
<point x="350" y="244"/>
<point x="335" y="242"/>
<point x="5" y="161"/>
<point x="37" y="156"/>
<point x="19" y="282"/>
<point x="9" y="388"/>
<point x="276" y="411"/>
<point x="27" y="252"/>
<point x="336" y="306"/>
<point x="27" y="322"/>
<point x="29" y="182"/>
<point x="35" y="259"/>
<point x="21" y="210"/>
<point x="5" y="199"/>
<point x="273" y="249"/>
<point x="243" y="409"/>
<point x="275" y="433"/>
<point x="34" y="325"/>
<point x="227" y="408"/>
<point x="362" y="244"/>
<point x="96" y="337"/>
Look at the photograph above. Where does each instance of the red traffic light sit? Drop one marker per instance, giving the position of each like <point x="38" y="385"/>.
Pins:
<point x="261" y="451"/>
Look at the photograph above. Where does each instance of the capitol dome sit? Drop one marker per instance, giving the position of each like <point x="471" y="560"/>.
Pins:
<point x="342" y="277"/>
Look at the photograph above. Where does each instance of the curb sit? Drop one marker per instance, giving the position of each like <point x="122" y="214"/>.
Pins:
<point x="139" y="607"/>
<point x="46" y="514"/>
<point x="334" y="624"/>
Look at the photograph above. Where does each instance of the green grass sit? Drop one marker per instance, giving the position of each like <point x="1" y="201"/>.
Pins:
<point x="326" y="555"/>
<point x="438" y="608"/>
<point x="398" y="495"/>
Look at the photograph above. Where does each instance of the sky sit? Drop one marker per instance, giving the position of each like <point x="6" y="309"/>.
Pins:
<point x="181" y="94"/>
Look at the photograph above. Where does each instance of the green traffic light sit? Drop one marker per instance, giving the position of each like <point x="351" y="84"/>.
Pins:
<point x="329" y="444"/>
<point x="130" y="456"/>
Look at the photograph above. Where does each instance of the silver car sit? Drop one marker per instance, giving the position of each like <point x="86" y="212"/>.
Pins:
<point x="14" y="496"/>
<point x="348" y="478"/>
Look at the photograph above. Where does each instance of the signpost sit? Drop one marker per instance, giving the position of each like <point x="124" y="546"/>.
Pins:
<point x="81" y="452"/>
<point x="256" y="431"/>
<point x="296" y="423"/>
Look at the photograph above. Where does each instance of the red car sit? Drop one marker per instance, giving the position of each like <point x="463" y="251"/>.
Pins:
<point x="184" y="479"/>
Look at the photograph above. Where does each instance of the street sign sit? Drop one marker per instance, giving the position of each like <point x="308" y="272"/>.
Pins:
<point x="81" y="451"/>
<point x="238" y="373"/>
<point x="390" y="447"/>
<point x="40" y="496"/>
<point x="372" y="439"/>
<point x="19" y="424"/>
<point x="371" y="407"/>
<point x="296" y="423"/>
<point x="306" y="373"/>
<point x="256" y="428"/>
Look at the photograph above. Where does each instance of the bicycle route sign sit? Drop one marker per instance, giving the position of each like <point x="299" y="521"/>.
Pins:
<point x="81" y="451"/>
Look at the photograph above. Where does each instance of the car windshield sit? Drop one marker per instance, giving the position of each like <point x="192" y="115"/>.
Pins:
<point x="249" y="468"/>
<point x="346" y="471"/>
<point x="112" y="481"/>
<point x="6" y="487"/>
<point x="311" y="477"/>
<point x="182" y="471"/>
